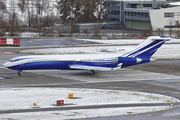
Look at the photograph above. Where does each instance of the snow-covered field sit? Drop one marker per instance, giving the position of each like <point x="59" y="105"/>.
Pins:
<point x="126" y="41"/>
<point x="23" y="98"/>
<point x="167" y="51"/>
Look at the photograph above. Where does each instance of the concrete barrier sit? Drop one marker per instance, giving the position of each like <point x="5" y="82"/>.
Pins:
<point x="104" y="37"/>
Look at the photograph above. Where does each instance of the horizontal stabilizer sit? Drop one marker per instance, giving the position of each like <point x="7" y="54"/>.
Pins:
<point x="84" y="67"/>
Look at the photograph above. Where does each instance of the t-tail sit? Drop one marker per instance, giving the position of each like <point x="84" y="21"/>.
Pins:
<point x="148" y="47"/>
<point x="143" y="52"/>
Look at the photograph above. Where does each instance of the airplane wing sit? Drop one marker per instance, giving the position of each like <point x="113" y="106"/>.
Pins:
<point x="84" y="67"/>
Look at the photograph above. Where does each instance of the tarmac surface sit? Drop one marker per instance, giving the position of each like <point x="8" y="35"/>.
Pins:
<point x="161" y="77"/>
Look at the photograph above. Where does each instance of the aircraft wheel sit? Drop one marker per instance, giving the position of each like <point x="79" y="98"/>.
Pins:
<point x="91" y="72"/>
<point x="20" y="73"/>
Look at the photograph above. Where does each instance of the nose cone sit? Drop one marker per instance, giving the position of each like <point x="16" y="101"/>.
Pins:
<point x="6" y="64"/>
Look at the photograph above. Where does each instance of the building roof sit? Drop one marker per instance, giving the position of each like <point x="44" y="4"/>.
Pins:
<point x="175" y="3"/>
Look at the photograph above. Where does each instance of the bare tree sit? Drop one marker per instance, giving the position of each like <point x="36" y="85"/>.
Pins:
<point x="82" y="10"/>
<point x="22" y="5"/>
<point x="28" y="13"/>
<point x="177" y="23"/>
<point x="171" y="23"/>
<point x="13" y="20"/>
<point x="3" y="13"/>
<point x="41" y="9"/>
<point x="159" y="31"/>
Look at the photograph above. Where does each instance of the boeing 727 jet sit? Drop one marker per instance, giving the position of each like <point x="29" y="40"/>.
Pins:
<point x="90" y="62"/>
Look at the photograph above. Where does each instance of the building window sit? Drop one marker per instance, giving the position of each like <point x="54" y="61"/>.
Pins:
<point x="146" y="5"/>
<point x="126" y="13"/>
<point x="135" y="6"/>
<point x="114" y="5"/>
<point x="171" y="26"/>
<point x="132" y="13"/>
<point x="129" y="13"/>
<point x="168" y="14"/>
<point x="146" y="15"/>
<point x="136" y="14"/>
<point x="114" y="20"/>
<point x="177" y="14"/>
<point x="113" y="12"/>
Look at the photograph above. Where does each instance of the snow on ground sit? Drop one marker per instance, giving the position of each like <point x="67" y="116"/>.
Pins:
<point x="126" y="41"/>
<point x="47" y="97"/>
<point x="167" y="51"/>
<point x="77" y="50"/>
<point x="117" y="41"/>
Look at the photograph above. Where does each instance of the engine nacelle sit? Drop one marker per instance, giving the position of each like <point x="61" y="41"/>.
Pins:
<point x="133" y="60"/>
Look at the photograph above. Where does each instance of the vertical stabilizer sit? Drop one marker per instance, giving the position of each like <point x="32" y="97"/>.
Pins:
<point x="148" y="47"/>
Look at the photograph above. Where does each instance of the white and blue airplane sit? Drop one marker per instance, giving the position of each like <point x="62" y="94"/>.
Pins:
<point x="90" y="62"/>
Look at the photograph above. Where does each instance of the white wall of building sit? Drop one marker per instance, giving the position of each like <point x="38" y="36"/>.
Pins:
<point x="159" y="21"/>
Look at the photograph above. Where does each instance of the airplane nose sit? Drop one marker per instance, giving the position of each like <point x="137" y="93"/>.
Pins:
<point x="6" y="64"/>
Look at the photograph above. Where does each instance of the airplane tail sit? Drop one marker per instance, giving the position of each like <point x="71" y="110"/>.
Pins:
<point x="148" y="47"/>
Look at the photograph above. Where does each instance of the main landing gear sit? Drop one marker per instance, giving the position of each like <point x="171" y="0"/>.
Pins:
<point x="91" y="72"/>
<point x="20" y="72"/>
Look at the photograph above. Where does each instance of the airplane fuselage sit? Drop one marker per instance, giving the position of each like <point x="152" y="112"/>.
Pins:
<point x="63" y="62"/>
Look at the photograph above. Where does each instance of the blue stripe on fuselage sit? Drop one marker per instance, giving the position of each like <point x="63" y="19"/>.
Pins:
<point x="40" y="65"/>
<point x="62" y="65"/>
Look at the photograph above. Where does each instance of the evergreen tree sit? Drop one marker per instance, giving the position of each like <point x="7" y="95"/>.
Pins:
<point x="64" y="9"/>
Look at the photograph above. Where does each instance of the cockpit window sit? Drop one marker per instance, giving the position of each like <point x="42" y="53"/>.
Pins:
<point x="14" y="60"/>
<point x="11" y="60"/>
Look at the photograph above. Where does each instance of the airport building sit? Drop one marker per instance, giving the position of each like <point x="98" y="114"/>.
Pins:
<point x="144" y="15"/>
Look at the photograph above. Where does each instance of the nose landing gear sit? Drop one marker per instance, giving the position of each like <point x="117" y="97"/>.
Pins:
<point x="91" y="72"/>
<point x="20" y="72"/>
